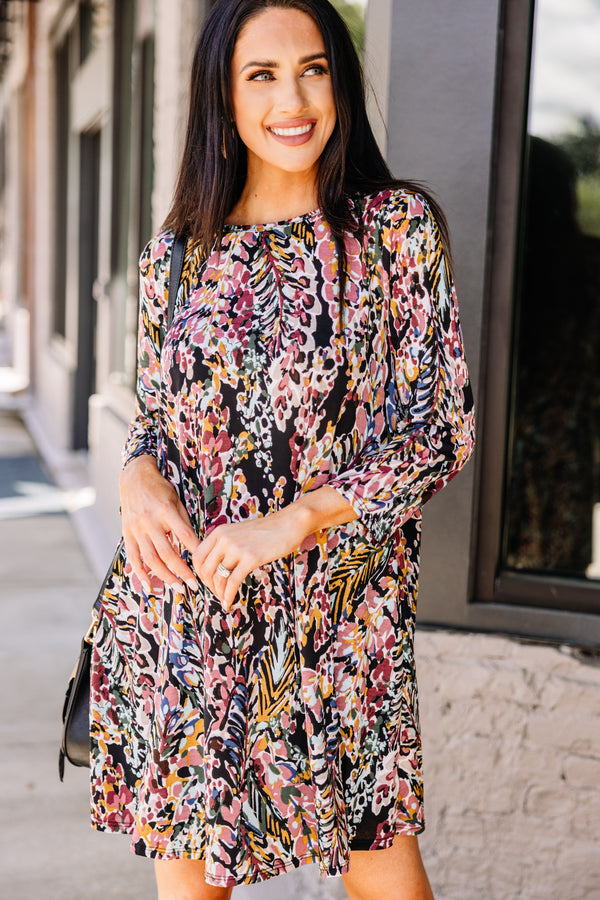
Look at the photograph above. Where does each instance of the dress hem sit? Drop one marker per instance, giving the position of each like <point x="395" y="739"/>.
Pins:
<point x="281" y="869"/>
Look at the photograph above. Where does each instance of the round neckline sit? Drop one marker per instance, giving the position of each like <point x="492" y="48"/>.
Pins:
<point x="311" y="215"/>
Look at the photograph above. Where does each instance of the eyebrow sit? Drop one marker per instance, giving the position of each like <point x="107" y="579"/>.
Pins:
<point x="273" y="64"/>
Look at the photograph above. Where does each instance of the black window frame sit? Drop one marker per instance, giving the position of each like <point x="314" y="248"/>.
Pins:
<point x="542" y="606"/>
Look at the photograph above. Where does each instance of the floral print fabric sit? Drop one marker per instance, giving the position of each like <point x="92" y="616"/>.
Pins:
<point x="286" y="730"/>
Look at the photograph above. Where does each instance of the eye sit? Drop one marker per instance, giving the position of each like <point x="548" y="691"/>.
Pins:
<point x="263" y="75"/>
<point x="316" y="69"/>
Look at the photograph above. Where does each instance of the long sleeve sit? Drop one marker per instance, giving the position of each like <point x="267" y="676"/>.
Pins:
<point x="142" y="437"/>
<point x="428" y="433"/>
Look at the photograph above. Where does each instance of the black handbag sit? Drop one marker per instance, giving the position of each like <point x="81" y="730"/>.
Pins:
<point x="75" y="738"/>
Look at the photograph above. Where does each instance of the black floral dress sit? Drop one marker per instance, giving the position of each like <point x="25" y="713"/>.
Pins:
<point x="286" y="730"/>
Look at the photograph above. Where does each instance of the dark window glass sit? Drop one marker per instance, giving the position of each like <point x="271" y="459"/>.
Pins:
<point x="123" y="113"/>
<point x="552" y="514"/>
<point x="89" y="211"/>
<point x="122" y="86"/>
<point x="146" y="148"/>
<point x="61" y="156"/>
<point x="86" y="29"/>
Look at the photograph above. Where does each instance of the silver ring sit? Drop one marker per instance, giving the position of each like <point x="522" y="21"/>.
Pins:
<point x="223" y="571"/>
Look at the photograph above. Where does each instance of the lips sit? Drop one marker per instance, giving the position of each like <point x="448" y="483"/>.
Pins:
<point x="293" y="134"/>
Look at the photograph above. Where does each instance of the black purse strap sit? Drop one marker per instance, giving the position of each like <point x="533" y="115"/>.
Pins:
<point x="98" y="602"/>
<point x="177" y="258"/>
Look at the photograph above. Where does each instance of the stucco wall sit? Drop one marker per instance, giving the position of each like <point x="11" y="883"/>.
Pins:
<point x="512" y="768"/>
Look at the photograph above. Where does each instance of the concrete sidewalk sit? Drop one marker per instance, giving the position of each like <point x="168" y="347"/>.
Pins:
<point x="47" y="588"/>
<point x="48" y="848"/>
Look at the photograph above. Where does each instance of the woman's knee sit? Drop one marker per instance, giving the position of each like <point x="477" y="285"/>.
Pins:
<point x="396" y="873"/>
<point x="183" y="879"/>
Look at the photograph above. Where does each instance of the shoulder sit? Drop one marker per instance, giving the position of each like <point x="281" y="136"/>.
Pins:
<point x="399" y="209"/>
<point x="401" y="224"/>
<point x="156" y="256"/>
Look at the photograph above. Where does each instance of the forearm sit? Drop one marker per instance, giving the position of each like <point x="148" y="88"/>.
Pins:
<point x="318" y="510"/>
<point x="137" y="464"/>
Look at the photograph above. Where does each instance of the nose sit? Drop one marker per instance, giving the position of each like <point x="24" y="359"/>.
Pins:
<point x="292" y="99"/>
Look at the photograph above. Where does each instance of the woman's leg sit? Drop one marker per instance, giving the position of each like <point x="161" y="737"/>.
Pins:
<point x="396" y="873"/>
<point x="183" y="879"/>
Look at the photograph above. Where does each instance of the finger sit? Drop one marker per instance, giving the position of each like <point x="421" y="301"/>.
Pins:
<point x="232" y="586"/>
<point x="222" y="581"/>
<point x="178" y="523"/>
<point x="170" y="558"/>
<point x="202" y="550"/>
<point x="186" y="518"/>
<point x="207" y="562"/>
<point x="228" y="588"/>
<point x="132" y="551"/>
<point x="153" y="561"/>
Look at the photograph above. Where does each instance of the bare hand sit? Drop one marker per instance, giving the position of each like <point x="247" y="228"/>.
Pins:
<point x="154" y="522"/>
<point x="242" y="547"/>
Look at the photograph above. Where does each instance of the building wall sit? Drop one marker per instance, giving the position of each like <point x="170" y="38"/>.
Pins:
<point x="17" y="110"/>
<point x="511" y="735"/>
<point x="440" y="116"/>
<point x="511" y="730"/>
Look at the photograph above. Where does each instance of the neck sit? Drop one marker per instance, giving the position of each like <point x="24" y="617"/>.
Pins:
<point x="281" y="195"/>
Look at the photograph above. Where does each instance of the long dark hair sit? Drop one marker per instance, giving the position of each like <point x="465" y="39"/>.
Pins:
<point x="213" y="167"/>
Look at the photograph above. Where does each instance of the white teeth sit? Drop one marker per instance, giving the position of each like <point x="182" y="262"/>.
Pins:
<point x="290" y="132"/>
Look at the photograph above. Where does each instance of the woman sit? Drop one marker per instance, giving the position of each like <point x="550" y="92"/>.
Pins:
<point x="254" y="700"/>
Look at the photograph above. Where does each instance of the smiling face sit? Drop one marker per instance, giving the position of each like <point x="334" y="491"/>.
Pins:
<point x="281" y="93"/>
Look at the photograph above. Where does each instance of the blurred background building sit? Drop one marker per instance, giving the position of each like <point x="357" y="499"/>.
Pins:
<point x="495" y="104"/>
